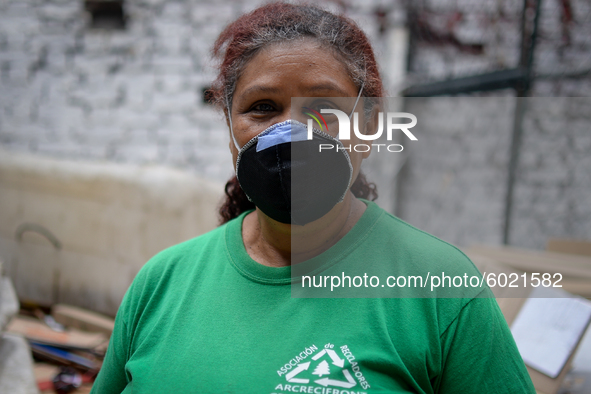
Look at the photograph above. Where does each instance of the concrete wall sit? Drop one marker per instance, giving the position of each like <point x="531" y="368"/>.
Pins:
<point x="109" y="218"/>
<point x="454" y="184"/>
<point x="553" y="186"/>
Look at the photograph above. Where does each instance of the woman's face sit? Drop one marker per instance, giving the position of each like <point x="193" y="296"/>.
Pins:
<point x="279" y="72"/>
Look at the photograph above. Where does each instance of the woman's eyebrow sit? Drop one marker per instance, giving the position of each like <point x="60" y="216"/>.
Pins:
<point x="323" y="87"/>
<point x="333" y="88"/>
<point x="260" y="89"/>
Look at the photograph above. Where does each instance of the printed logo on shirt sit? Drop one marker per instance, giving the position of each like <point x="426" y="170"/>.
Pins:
<point x="322" y="371"/>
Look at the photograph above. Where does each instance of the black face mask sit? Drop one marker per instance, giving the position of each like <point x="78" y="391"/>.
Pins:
<point x="288" y="176"/>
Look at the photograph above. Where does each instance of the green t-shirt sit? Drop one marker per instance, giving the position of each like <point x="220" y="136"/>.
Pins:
<point x="203" y="317"/>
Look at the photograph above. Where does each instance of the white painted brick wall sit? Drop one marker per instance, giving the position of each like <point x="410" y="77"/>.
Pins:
<point x="128" y="96"/>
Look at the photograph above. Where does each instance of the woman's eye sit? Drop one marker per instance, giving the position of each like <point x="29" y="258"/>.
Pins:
<point x="263" y="107"/>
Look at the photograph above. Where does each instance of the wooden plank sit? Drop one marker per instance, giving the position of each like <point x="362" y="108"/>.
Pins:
<point x="82" y="319"/>
<point x="536" y="261"/>
<point x="34" y="329"/>
<point x="569" y="246"/>
<point x="579" y="287"/>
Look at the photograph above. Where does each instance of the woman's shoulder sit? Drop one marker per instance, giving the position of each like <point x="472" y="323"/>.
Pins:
<point x="417" y="246"/>
<point x="190" y="246"/>
<point x="189" y="255"/>
<point x="170" y="272"/>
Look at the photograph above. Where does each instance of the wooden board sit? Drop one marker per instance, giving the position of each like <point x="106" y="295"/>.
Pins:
<point x="82" y="319"/>
<point x="536" y="261"/>
<point x="34" y="329"/>
<point x="569" y="246"/>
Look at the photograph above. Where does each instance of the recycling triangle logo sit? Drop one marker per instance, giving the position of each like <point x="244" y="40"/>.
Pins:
<point x="325" y="367"/>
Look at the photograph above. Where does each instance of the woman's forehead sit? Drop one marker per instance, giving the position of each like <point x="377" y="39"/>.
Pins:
<point x="305" y="63"/>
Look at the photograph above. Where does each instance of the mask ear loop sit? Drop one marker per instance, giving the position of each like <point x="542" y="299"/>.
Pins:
<point x="361" y="88"/>
<point x="357" y="101"/>
<point x="230" y="121"/>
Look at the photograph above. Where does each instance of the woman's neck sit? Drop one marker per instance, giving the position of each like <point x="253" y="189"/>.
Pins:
<point x="276" y="244"/>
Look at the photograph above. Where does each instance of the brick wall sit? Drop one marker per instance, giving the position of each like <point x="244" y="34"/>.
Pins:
<point x="132" y="95"/>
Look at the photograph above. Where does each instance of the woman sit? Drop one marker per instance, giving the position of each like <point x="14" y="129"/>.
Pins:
<point x="215" y="314"/>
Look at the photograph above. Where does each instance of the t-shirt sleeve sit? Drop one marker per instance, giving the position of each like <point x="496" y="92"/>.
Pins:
<point x="480" y="354"/>
<point x="112" y="377"/>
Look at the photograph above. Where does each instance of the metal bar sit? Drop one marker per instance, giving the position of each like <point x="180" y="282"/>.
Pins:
<point x="516" y="138"/>
<point x="503" y="79"/>
<point x="526" y="62"/>
<point x="509" y="78"/>
<point x="568" y="74"/>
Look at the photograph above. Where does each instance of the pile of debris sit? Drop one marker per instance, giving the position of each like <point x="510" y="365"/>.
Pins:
<point x="16" y="365"/>
<point x="67" y="345"/>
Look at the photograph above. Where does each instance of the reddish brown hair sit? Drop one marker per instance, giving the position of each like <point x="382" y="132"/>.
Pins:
<point x="278" y="22"/>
